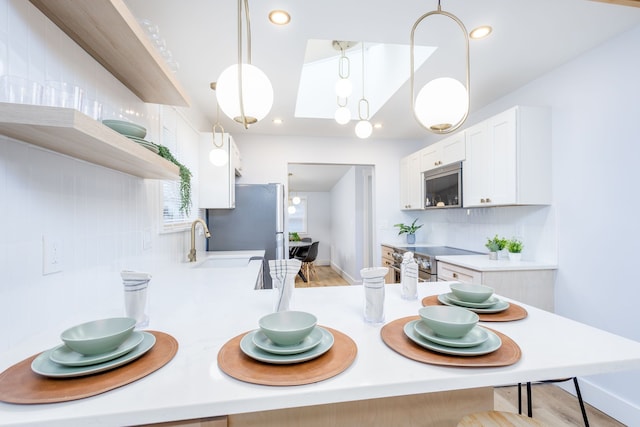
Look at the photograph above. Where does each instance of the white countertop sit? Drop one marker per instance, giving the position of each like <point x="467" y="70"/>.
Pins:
<point x="483" y="263"/>
<point x="203" y="309"/>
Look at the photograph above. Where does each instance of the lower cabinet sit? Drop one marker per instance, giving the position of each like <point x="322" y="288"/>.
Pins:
<point x="388" y="261"/>
<point x="533" y="287"/>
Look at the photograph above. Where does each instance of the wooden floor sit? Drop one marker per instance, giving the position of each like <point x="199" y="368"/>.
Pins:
<point x="551" y="404"/>
<point x="325" y="276"/>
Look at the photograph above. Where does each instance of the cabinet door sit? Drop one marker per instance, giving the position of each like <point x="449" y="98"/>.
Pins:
<point x="430" y="157"/>
<point x="410" y="182"/>
<point x="450" y="272"/>
<point x="453" y="149"/>
<point x="502" y="134"/>
<point x="479" y="160"/>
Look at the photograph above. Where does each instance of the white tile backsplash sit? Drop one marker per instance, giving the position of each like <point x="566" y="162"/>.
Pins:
<point x="98" y="215"/>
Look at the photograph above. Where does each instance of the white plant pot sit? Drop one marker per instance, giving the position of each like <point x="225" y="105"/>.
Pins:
<point x="493" y="255"/>
<point x="515" y="256"/>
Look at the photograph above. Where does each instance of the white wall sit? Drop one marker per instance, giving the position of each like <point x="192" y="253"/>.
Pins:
<point x="319" y="223"/>
<point x="343" y="230"/>
<point x="103" y="220"/>
<point x="595" y="103"/>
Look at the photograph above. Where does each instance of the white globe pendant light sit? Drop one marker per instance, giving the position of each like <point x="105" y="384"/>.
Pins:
<point x="257" y="93"/>
<point x="342" y="115"/>
<point x="441" y="104"/>
<point x="364" y="129"/>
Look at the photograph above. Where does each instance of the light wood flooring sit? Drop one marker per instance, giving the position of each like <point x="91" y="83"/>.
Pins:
<point x="551" y="404"/>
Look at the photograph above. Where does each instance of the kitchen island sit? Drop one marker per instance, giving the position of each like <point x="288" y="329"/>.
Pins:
<point x="204" y="308"/>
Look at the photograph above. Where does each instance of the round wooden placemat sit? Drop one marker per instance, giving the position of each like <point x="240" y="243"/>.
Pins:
<point x="514" y="312"/>
<point x="19" y="384"/>
<point x="393" y="336"/>
<point x="233" y="362"/>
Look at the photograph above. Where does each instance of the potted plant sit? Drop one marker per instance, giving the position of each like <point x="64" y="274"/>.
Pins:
<point x="410" y="230"/>
<point x="514" y="246"/>
<point x="495" y="245"/>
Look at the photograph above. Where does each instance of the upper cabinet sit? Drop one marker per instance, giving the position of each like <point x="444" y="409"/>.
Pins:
<point x="109" y="32"/>
<point x="442" y="153"/>
<point x="411" y="182"/>
<point x="217" y="183"/>
<point x="508" y="159"/>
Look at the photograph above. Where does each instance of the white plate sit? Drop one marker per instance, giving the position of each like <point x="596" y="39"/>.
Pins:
<point x="496" y="308"/>
<point x="65" y="356"/>
<point x="476" y="336"/>
<point x="44" y="366"/>
<point x="263" y="343"/>
<point x="249" y="348"/>
<point x="485" y="304"/>
<point x="492" y="343"/>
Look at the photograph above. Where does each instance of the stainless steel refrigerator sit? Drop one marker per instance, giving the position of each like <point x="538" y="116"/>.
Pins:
<point x="257" y="222"/>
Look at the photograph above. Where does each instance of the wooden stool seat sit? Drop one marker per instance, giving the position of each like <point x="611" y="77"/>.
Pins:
<point x="497" y="419"/>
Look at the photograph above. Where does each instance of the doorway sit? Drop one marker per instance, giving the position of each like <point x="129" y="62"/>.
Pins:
<point x="338" y="202"/>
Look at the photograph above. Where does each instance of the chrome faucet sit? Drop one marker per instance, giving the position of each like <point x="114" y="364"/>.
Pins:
<point x="192" y="252"/>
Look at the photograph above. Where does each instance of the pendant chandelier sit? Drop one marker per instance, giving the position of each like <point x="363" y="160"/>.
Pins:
<point x="218" y="156"/>
<point x="343" y="86"/>
<point x="363" y="127"/>
<point x="243" y="91"/>
<point x="442" y="105"/>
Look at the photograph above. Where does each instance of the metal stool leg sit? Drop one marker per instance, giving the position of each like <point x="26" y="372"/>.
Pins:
<point x="519" y="398"/>
<point x="584" y="412"/>
<point x="529" y="406"/>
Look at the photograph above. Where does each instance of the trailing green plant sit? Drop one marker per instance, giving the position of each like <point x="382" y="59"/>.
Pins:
<point x="294" y="237"/>
<point x="409" y="229"/>
<point x="514" y="246"/>
<point x="496" y="244"/>
<point x="185" y="179"/>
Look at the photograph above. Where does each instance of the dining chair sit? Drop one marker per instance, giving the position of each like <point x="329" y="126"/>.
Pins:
<point x="306" y="239"/>
<point x="560" y="380"/>
<point x="307" y="261"/>
<point x="497" y="419"/>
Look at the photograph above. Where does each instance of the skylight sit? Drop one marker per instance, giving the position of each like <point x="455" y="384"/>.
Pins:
<point x="386" y="69"/>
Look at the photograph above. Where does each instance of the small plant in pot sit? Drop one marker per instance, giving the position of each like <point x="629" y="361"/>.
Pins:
<point x="514" y="246"/>
<point x="495" y="245"/>
<point x="410" y="230"/>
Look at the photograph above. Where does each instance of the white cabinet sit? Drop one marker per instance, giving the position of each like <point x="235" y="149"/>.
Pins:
<point x="508" y="159"/>
<point x="217" y="183"/>
<point x="411" y="182"/>
<point x="442" y="153"/>
<point x="533" y="287"/>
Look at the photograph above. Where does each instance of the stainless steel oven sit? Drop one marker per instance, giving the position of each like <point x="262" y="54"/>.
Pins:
<point x="425" y="257"/>
<point x="443" y="187"/>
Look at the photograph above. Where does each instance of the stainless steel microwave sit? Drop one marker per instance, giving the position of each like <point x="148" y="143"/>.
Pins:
<point x="443" y="187"/>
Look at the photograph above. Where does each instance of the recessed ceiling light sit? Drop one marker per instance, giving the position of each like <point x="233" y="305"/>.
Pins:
<point x="279" y="17"/>
<point x="480" y="32"/>
<point x="378" y="126"/>
<point x="277" y="121"/>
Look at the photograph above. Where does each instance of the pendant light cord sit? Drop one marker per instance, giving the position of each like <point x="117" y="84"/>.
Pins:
<point x="246" y="12"/>
<point x="363" y="100"/>
<point x="218" y="126"/>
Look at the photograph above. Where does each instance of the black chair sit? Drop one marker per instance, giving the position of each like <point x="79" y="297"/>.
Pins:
<point x="530" y="406"/>
<point x="307" y="259"/>
<point x="306" y="239"/>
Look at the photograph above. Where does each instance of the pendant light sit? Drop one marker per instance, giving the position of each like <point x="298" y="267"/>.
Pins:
<point x="343" y="86"/>
<point x="244" y="92"/>
<point x="363" y="127"/>
<point x="442" y="105"/>
<point x="218" y="156"/>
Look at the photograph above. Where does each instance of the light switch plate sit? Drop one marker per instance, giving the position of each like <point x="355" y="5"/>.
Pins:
<point x="51" y="255"/>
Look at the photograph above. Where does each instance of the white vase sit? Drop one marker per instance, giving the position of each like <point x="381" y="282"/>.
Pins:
<point x="515" y="256"/>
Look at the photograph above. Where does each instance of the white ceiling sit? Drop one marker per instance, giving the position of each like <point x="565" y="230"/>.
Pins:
<point x="315" y="177"/>
<point x="530" y="37"/>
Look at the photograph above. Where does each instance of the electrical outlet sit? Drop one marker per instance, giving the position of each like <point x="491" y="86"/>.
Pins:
<point x="51" y="256"/>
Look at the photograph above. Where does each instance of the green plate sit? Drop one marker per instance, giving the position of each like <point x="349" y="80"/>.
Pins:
<point x="126" y="128"/>
<point x="249" y="348"/>
<point x="467" y="304"/>
<point x="262" y="342"/>
<point x="496" y="308"/>
<point x="476" y="336"/>
<point x="492" y="343"/>
<point x="43" y="365"/>
<point x="63" y="355"/>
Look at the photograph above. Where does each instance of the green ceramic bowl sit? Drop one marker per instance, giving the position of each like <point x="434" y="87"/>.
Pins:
<point x="448" y="321"/>
<point x="470" y="292"/>
<point x="287" y="327"/>
<point x="98" y="336"/>
<point x="126" y="128"/>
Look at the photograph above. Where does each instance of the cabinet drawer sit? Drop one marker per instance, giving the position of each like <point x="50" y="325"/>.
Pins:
<point x="457" y="273"/>
<point x="387" y="252"/>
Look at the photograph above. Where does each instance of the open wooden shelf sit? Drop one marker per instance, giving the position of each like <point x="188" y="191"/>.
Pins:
<point x="67" y="131"/>
<point x="109" y="32"/>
